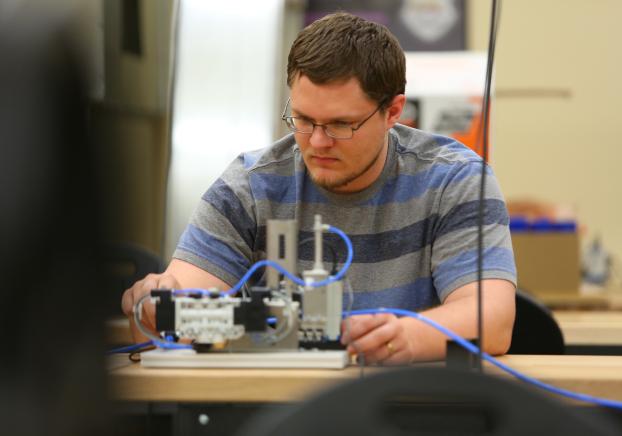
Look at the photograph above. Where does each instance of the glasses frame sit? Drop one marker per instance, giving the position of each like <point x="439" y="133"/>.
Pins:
<point x="324" y="126"/>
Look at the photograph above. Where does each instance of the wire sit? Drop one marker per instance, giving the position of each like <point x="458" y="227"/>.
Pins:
<point x="348" y="324"/>
<point x="483" y="138"/>
<point x="349" y="258"/>
<point x="167" y="343"/>
<point x="162" y="343"/>
<point x="476" y="350"/>
<point x="282" y="330"/>
<point x="130" y="348"/>
<point x="292" y="277"/>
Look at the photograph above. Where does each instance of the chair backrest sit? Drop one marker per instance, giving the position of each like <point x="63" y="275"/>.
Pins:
<point x="535" y="330"/>
<point x="431" y="401"/>
<point x="124" y="264"/>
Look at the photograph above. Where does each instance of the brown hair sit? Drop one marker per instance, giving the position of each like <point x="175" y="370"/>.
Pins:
<point x="340" y="46"/>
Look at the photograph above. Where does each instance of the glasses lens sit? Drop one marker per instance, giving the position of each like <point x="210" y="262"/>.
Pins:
<point x="339" y="131"/>
<point x="299" y="125"/>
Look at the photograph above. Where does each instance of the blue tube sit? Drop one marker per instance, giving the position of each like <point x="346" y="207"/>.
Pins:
<point x="169" y="345"/>
<point x="292" y="277"/>
<point x="475" y="350"/>
<point x="255" y="267"/>
<point x="129" y="348"/>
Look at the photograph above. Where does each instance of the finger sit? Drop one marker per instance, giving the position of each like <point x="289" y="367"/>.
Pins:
<point x="398" y="350"/>
<point x="360" y="325"/>
<point x="352" y="327"/>
<point x="400" y="357"/>
<point x="156" y="281"/>
<point x="392" y="352"/>
<point x="131" y="295"/>
<point x="137" y="335"/>
<point x="381" y="353"/>
<point x="149" y="283"/>
<point x="375" y="356"/>
<point x="167" y="281"/>
<point x="127" y="302"/>
<point x="375" y="338"/>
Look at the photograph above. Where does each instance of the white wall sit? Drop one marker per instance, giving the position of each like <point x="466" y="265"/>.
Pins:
<point x="227" y="65"/>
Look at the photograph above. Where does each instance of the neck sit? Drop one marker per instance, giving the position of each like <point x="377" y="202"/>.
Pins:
<point x="369" y="175"/>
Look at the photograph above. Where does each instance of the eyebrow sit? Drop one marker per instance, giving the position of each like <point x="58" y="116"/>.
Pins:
<point x="345" y="119"/>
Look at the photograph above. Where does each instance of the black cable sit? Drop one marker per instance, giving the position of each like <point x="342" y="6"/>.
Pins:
<point x="134" y="356"/>
<point x="483" y="138"/>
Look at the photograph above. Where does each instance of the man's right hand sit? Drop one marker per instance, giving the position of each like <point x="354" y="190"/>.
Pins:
<point x="140" y="289"/>
<point x="178" y="275"/>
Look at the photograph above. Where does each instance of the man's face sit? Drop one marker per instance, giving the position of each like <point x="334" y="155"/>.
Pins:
<point x="340" y="165"/>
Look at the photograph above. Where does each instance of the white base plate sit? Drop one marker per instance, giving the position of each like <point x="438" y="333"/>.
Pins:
<point x="329" y="359"/>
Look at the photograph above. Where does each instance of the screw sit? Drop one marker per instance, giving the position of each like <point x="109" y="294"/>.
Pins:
<point x="203" y="419"/>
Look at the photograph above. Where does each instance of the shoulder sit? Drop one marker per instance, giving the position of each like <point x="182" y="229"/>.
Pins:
<point x="278" y="155"/>
<point x="429" y="148"/>
<point x="275" y="160"/>
<point x="435" y="161"/>
<point x="263" y="174"/>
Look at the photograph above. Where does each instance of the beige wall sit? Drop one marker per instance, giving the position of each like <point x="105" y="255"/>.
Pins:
<point x="132" y="156"/>
<point x="131" y="127"/>
<point x="556" y="118"/>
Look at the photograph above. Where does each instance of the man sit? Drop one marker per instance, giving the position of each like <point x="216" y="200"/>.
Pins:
<point x="406" y="198"/>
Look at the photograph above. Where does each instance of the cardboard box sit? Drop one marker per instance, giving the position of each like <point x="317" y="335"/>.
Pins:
<point x="547" y="262"/>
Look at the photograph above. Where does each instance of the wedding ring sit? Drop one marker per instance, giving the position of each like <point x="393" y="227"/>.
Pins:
<point x="390" y="348"/>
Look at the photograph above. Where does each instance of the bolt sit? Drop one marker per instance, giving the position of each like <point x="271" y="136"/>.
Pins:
<point x="203" y="419"/>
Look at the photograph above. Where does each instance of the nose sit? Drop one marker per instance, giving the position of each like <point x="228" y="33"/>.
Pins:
<point x="319" y="138"/>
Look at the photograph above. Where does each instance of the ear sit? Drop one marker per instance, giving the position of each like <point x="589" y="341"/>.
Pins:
<point x="393" y="112"/>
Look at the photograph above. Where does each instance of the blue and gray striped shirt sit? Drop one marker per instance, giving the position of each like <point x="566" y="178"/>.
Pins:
<point x="414" y="230"/>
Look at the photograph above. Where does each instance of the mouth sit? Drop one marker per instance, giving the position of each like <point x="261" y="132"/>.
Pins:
<point x="325" y="160"/>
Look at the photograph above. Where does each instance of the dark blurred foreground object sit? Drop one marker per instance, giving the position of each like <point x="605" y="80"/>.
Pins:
<point x="124" y="263"/>
<point x="432" y="401"/>
<point x="535" y="330"/>
<point x="52" y="366"/>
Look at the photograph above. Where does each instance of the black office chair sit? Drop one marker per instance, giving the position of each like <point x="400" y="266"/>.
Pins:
<point x="125" y="263"/>
<point x="431" y="401"/>
<point x="535" y="330"/>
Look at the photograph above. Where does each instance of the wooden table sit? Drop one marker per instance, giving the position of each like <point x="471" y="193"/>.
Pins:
<point x="602" y="328"/>
<point x="588" y="299"/>
<point x="594" y="375"/>
<point x="118" y="332"/>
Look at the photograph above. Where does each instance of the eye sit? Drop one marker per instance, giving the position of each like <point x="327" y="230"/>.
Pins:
<point x="303" y="120"/>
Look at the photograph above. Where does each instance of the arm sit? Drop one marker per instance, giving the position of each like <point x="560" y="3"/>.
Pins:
<point x="412" y="340"/>
<point x="218" y="239"/>
<point x="178" y="275"/>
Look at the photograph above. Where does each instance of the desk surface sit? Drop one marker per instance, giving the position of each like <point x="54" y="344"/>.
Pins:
<point x="595" y="375"/>
<point x="118" y="331"/>
<point x="590" y="327"/>
<point x="598" y="299"/>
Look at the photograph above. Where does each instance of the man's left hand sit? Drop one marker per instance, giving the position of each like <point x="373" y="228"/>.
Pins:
<point x="380" y="338"/>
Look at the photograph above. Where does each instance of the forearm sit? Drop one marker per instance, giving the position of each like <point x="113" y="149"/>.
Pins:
<point x="460" y="316"/>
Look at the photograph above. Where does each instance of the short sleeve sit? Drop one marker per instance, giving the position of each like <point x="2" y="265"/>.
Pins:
<point x="454" y="245"/>
<point x="220" y="236"/>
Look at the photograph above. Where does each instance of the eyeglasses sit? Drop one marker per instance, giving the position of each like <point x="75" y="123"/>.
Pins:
<point x="334" y="130"/>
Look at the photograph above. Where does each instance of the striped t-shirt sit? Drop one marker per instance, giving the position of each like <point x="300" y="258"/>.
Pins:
<point x="414" y="230"/>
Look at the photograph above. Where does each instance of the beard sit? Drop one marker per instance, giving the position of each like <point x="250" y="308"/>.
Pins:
<point x="337" y="181"/>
